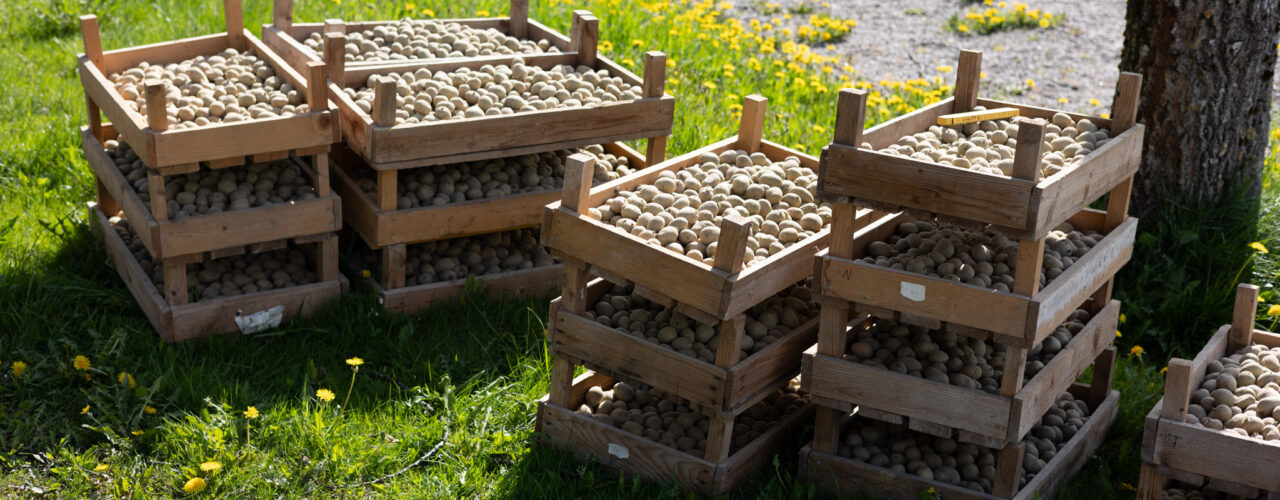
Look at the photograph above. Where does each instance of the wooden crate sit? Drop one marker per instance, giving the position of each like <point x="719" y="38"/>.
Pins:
<point x="938" y="408"/>
<point x="177" y="320"/>
<point x="1192" y="453"/>
<point x="632" y="454"/>
<point x="1025" y="206"/>
<point x="212" y="232"/>
<point x="728" y="385"/>
<point x="380" y="223"/>
<point x="1021" y="319"/>
<point x="704" y="292"/>
<point x="859" y="479"/>
<point x="387" y="146"/>
<point x="225" y="144"/>
<point x="285" y="36"/>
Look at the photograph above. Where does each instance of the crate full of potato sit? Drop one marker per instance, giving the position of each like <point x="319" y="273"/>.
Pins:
<point x="412" y="277"/>
<point x="653" y="434"/>
<point x="870" y="458"/>
<point x="1217" y="422"/>
<point x="245" y="291"/>
<point x="624" y="332"/>
<point x="388" y="207"/>
<point x="429" y="112"/>
<point x="218" y="98"/>
<point x="374" y="43"/>
<point x="946" y="378"/>
<point x="1021" y="169"/>
<point x="716" y="230"/>
<point x="211" y="209"/>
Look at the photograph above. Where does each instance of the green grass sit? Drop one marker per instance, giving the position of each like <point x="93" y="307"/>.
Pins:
<point x="467" y="374"/>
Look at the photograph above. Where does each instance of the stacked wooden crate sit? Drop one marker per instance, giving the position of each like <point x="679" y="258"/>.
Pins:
<point x="708" y="292"/>
<point x="1025" y="207"/>
<point x="377" y="147"/>
<point x="1230" y="457"/>
<point x="169" y="157"/>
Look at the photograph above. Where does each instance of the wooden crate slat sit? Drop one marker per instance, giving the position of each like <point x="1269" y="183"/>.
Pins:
<point x="1069" y="191"/>
<point x="911" y="183"/>
<point x="1056" y="301"/>
<point x="146" y="295"/>
<point x="164" y="52"/>
<point x="1028" y="110"/>
<point x="777" y="362"/>
<point x="888" y="133"/>
<point x="523" y="282"/>
<point x="224" y="140"/>
<point x="127" y="122"/>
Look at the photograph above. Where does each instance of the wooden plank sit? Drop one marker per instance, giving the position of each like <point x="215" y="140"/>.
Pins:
<point x="221" y="163"/>
<point x="833" y="335"/>
<point x="92" y="38"/>
<point x="519" y="19"/>
<point x="732" y="244"/>
<point x="719" y="437"/>
<point x="1124" y="111"/>
<point x="578" y="171"/>
<point x="138" y="282"/>
<point x="1150" y="483"/>
<point x="584" y="36"/>
<point x="1008" y="470"/>
<point x="826" y="430"/>
<point x="1059" y="299"/>
<point x="751" y="124"/>
<point x="851" y="116"/>
<point x="1030" y="111"/>
<point x="532" y="282"/>
<point x="913" y="397"/>
<point x="1242" y="317"/>
<point x="729" y="347"/>
<point x="243" y="227"/>
<point x="217" y="316"/>
<point x="655" y="81"/>
<point x="98" y="90"/>
<point x="1042" y="391"/>
<point x="334" y="50"/>
<point x="357" y="76"/>
<point x="888" y="133"/>
<point x="925" y="186"/>
<point x="607" y="122"/>
<point x="393" y="267"/>
<point x="235" y="23"/>
<point x="163" y="52"/>
<point x="157" y="116"/>
<point x="282" y="15"/>
<point x="1072" y="457"/>
<point x="1105" y="170"/>
<point x="968" y="77"/>
<point x="1026" y="158"/>
<point x="1217" y="454"/>
<point x="250" y="137"/>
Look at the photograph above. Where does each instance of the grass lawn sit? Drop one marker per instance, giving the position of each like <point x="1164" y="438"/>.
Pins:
<point x="457" y="384"/>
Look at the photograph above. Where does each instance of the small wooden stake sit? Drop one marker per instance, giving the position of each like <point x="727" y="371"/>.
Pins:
<point x="1177" y="390"/>
<point x="578" y="172"/>
<point x="751" y="126"/>
<point x="729" y="346"/>
<point x="826" y="429"/>
<point x="844" y="222"/>
<point x="719" y="438"/>
<point x="92" y="41"/>
<point x="335" y="57"/>
<point x="333" y="25"/>
<point x="155" y="190"/>
<point x="384" y="102"/>
<point x="235" y="24"/>
<point x="851" y="117"/>
<point x="327" y="258"/>
<point x="731" y="247"/>
<point x="655" y="76"/>
<point x="561" y="381"/>
<point x="393" y="269"/>
<point x="317" y="89"/>
<point x="1124" y="111"/>
<point x="519" y="19"/>
<point x="1027" y="156"/>
<point x="321" y="165"/>
<point x="1242" y="317"/>
<point x="584" y="35"/>
<point x="157" y="115"/>
<point x="282" y="15"/>
<point x="1015" y="365"/>
<point x="175" y="281"/>
<point x="833" y="328"/>
<point x="1008" y="470"/>
<point x="968" y="75"/>
<point x="388" y="190"/>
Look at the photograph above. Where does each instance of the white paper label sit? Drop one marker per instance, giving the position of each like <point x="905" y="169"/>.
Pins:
<point x="259" y="321"/>
<point x="619" y="451"/>
<point x="913" y="291"/>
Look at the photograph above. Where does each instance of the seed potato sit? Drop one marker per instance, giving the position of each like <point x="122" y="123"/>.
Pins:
<point x="1241" y="394"/>
<point x="411" y="39"/>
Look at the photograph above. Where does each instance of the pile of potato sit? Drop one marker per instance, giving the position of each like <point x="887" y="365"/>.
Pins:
<point x="990" y="148"/>
<point x="666" y="419"/>
<point x="1186" y="493"/>
<point x="961" y="464"/>
<point x="230" y="86"/>
<point x="943" y="356"/>
<point x="767" y="322"/>
<point x="227" y="276"/>
<point x="681" y="211"/>
<point x="447" y="260"/>
<point x="1241" y="394"/>
<point x="429" y="39"/>
<point x="458" y="182"/>
<point x="984" y="258"/>
<point x="492" y="90"/>
<point x="215" y="191"/>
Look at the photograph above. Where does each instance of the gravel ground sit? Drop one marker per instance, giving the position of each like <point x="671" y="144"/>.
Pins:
<point x="1077" y="60"/>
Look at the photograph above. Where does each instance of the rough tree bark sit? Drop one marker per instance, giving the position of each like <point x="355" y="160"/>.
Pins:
<point x="1207" y="69"/>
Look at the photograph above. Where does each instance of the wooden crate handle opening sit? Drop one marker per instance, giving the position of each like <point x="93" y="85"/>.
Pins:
<point x="1242" y="317"/>
<point x="519" y="19"/>
<point x="968" y="74"/>
<point x="751" y="126"/>
<point x="282" y="15"/>
<point x="235" y="24"/>
<point x="578" y="172"/>
<point x="584" y="35"/>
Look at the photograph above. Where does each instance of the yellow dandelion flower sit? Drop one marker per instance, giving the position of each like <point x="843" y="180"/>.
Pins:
<point x="355" y="362"/>
<point x="987" y="2"/>
<point x="709" y="85"/>
<point x="1258" y="246"/>
<point x="1063" y="100"/>
<point x="101" y="468"/>
<point x="194" y="485"/>
<point x="482" y="13"/>
<point x="325" y="395"/>
<point x="1118" y="334"/>
<point x="251" y="412"/>
<point x="1044" y="23"/>
<point x="606" y="46"/>
<point x="80" y="362"/>
<point x="1122" y="318"/>
<point x="637" y="43"/>
<point x="19" y="368"/>
<point x="211" y="466"/>
<point x="137" y="432"/>
<point x="819" y="128"/>
<point x="671" y="63"/>
<point x="1164" y="370"/>
<point x="1274" y="310"/>
<point x="982" y="75"/>
<point x="126" y="378"/>
<point x="1137" y="350"/>
<point x="410" y="6"/>
<point x="1127" y="487"/>
<point x="1094" y="102"/>
<point x="1031" y="84"/>
<point x="84" y="410"/>
<point x="1105" y="116"/>
<point x="428" y="12"/>
<point x="149" y="410"/>
<point x="945" y="68"/>
<point x="364" y="273"/>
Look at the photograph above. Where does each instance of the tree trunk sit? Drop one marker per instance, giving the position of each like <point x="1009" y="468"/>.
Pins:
<point x="1207" y="68"/>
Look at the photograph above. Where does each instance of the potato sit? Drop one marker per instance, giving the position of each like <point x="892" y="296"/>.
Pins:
<point x="458" y="258"/>
<point x="1239" y="394"/>
<point x="411" y="39"/>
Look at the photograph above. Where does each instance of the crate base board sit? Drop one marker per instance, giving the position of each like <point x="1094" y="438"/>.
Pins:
<point x="523" y="283"/>
<point x="212" y="317"/>
<point x="615" y="448"/>
<point x="1155" y="479"/>
<point x="853" y="478"/>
